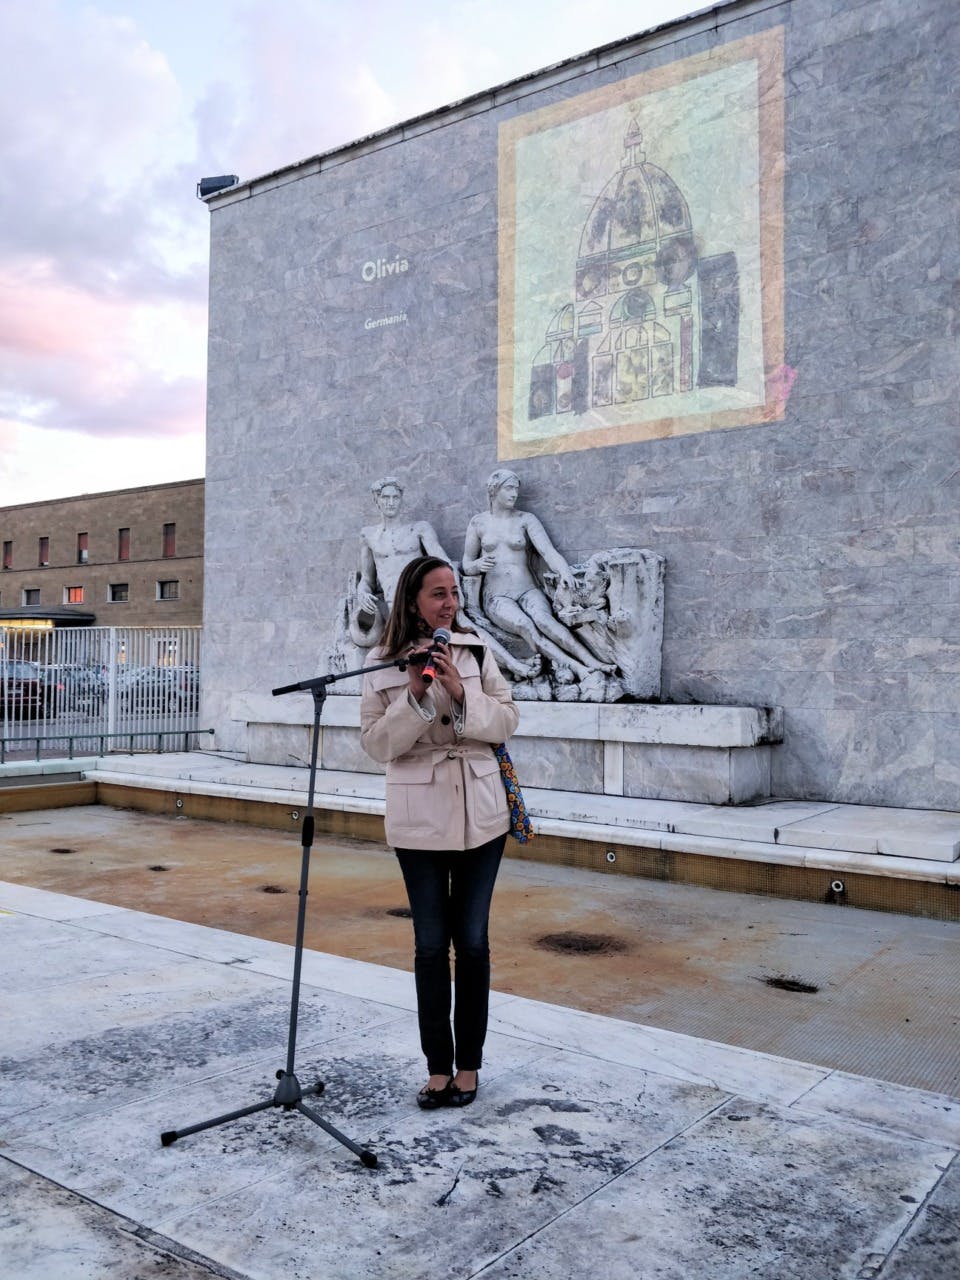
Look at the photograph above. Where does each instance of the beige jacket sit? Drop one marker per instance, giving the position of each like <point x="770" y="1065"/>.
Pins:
<point x="444" y="789"/>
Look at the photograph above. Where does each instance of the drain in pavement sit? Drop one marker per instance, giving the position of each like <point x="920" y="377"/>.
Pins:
<point x="158" y="866"/>
<point x="62" y="849"/>
<point x="783" y="983"/>
<point x="272" y="888"/>
<point x="581" y="944"/>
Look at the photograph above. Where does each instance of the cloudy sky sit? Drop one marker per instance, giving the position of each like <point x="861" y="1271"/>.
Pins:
<point x="112" y="110"/>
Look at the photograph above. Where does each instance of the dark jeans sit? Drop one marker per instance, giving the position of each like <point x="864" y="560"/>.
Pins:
<point x="449" y="897"/>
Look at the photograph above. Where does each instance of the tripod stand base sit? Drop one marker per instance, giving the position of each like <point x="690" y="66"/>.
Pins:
<point x="288" y="1095"/>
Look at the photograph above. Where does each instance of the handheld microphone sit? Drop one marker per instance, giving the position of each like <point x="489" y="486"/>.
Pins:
<point x="429" y="672"/>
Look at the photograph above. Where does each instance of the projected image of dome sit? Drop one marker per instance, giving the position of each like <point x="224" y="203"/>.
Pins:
<point x="650" y="317"/>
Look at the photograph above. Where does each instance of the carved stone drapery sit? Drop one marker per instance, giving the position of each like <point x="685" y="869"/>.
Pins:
<point x="615" y="609"/>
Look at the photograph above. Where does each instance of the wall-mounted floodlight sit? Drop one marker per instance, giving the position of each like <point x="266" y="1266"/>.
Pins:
<point x="210" y="186"/>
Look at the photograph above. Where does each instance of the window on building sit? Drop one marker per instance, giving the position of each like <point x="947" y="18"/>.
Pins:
<point x="83" y="540"/>
<point x="30" y="596"/>
<point x="8" y="555"/>
<point x="73" y="595"/>
<point x="43" y="552"/>
<point x="169" y="540"/>
<point x="169" y="590"/>
<point x="119" y="592"/>
<point x="123" y="544"/>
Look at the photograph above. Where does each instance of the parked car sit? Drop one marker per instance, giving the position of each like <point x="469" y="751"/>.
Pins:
<point x="188" y="679"/>
<point x="80" y="689"/>
<point x="152" y="689"/>
<point x="26" y="695"/>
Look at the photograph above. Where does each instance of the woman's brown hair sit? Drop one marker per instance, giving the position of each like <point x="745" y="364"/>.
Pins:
<point x="403" y="625"/>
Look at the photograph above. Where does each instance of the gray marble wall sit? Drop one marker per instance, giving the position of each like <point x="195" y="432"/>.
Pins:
<point x="811" y="562"/>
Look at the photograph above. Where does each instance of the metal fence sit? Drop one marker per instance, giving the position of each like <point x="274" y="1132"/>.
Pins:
<point x="85" y="690"/>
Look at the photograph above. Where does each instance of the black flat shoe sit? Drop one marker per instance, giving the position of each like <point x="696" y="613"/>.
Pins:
<point x="430" y="1099"/>
<point x="457" y="1097"/>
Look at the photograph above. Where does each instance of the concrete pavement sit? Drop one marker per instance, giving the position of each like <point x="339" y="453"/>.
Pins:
<point x="595" y="1144"/>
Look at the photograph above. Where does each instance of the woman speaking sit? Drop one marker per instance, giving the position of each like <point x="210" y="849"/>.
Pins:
<point x="446" y="815"/>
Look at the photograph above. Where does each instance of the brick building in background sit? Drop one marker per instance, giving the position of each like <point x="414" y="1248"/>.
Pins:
<point x="130" y="557"/>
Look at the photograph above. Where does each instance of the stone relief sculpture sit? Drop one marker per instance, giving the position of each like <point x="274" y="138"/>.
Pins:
<point x="497" y="551"/>
<point x="591" y="632"/>
<point x="616" y="606"/>
<point x="599" y="626"/>
<point x="384" y="550"/>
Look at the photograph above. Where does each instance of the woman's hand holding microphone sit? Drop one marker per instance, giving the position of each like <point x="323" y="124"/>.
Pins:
<point x="438" y="665"/>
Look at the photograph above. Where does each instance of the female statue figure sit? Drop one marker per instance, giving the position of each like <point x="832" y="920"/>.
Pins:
<point x="497" y="547"/>
<point x="385" y="549"/>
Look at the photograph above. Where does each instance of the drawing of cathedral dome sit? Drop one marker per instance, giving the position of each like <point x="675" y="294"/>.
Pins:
<point x="650" y="318"/>
<point x="640" y="220"/>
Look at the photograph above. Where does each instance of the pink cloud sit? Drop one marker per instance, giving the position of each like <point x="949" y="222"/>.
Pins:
<point x="80" y="362"/>
<point x="102" y="251"/>
<point x="41" y="316"/>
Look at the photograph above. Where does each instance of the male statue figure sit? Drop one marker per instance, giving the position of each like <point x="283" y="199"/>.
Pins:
<point x="386" y="547"/>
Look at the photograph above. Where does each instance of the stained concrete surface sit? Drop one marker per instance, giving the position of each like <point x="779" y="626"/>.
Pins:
<point x="91" y="1242"/>
<point x="596" y="1145"/>
<point x="690" y="960"/>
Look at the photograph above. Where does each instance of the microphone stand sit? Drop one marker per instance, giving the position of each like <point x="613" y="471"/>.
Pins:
<point x="289" y="1093"/>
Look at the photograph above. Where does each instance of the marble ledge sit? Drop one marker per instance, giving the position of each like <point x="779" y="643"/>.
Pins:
<point x="915" y="1113"/>
<point x="183" y="937"/>
<point x="14" y="769"/>
<point x="869" y="829"/>
<point x="321" y="970"/>
<point x="716" y="831"/>
<point x="25" y="900"/>
<point x="344" y="796"/>
<point x="925" y="869"/>
<point x="916" y="836"/>
<point x="663" y="724"/>
<point x="744" y="1072"/>
<point x="803" y="1087"/>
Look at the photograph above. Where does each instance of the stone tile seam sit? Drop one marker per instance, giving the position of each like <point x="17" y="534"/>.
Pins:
<point x="736" y="1051"/>
<point x="609" y="1182"/>
<point x="390" y="1020"/>
<point x="921" y="1209"/>
<point x="208" y="1202"/>
<point x="664" y="1063"/>
<point x="184" y="1213"/>
<point x="695" y="1123"/>
<point x="127" y="1226"/>
<point x="397" y="1011"/>
<point x="884" y="1128"/>
<point x="164" y="1244"/>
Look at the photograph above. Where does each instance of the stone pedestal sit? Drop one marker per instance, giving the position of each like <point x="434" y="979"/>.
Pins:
<point x="704" y="754"/>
